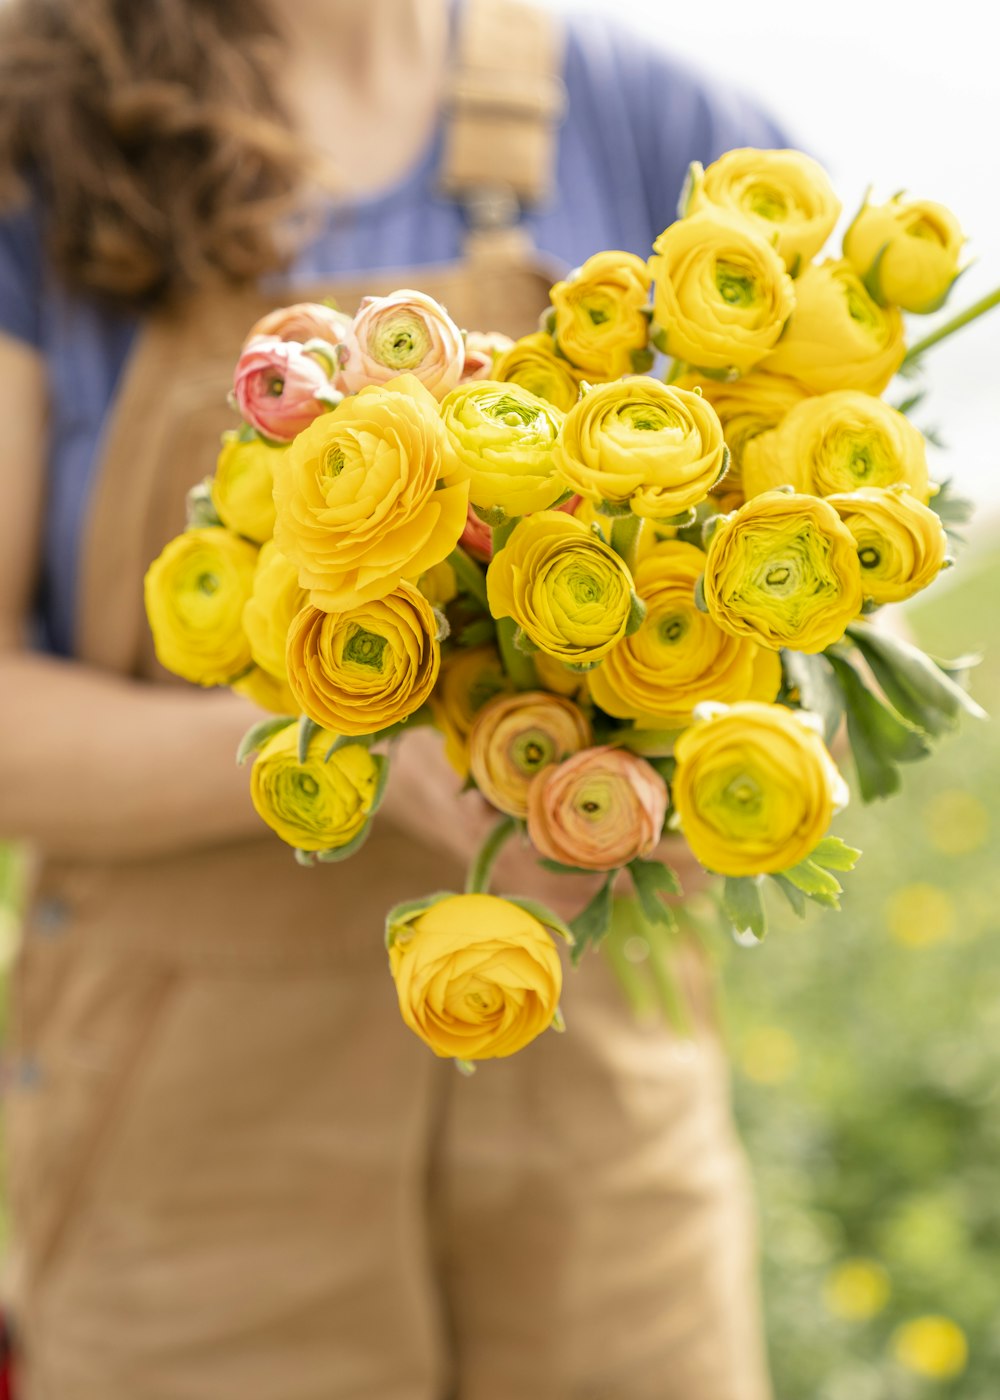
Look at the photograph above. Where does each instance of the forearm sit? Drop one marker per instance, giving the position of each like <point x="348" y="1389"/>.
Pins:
<point x="95" y="766"/>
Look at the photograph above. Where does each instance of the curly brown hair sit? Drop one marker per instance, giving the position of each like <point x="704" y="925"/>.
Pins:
<point x="154" y="137"/>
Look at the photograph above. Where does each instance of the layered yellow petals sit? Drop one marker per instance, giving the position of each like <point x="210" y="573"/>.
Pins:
<point x="783" y="570"/>
<point x="533" y="363"/>
<point x="748" y="406"/>
<point x="359" y="671"/>
<point x="322" y="804"/>
<point x="513" y="737"/>
<point x="755" y="789"/>
<point x="902" y="546"/>
<point x="273" y="603"/>
<point x="907" y="252"/>
<point x="786" y="194"/>
<point x="267" y="692"/>
<point x="638" y="442"/>
<point x="680" y="657"/>
<point x="569" y="593"/>
<point x="722" y="294"/>
<point x="504" y="437"/>
<point x="838" y="337"/>
<point x="477" y="977"/>
<point x="243" y="485"/>
<point x="365" y="496"/>
<point x="602" y="314"/>
<point x="841" y="441"/>
<point x="195" y="593"/>
<point x="469" y="678"/>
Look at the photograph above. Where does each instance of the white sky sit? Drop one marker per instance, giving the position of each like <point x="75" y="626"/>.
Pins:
<point x="894" y="94"/>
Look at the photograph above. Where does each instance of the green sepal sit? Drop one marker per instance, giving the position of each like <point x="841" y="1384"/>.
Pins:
<point x="813" y="677"/>
<point x="796" y="266"/>
<point x="339" y="853"/>
<point x="400" y="915"/>
<point x="492" y="516"/>
<point x="442" y="627"/>
<point x="699" y="594"/>
<point x="308" y="728"/>
<point x="382" y="767"/>
<point x="636" y="615"/>
<point x="727" y="461"/>
<point x="544" y="915"/>
<point x="642" y="361"/>
<point x="465" y="1067"/>
<point x="593" y="921"/>
<point x="678" y="522"/>
<point x="258" y="734"/>
<point x="792" y="893"/>
<point x="880" y="739"/>
<point x="872" y="278"/>
<point x="556" y="867"/>
<point x="652" y="879"/>
<point x="834" y="854"/>
<point x="200" y="507"/>
<point x="306" y="858"/>
<point x="743" y="905"/>
<point x="524" y="644"/>
<point x="815" y="883"/>
<point x="708" y="529"/>
<point x="581" y="668"/>
<point x="614" y="509"/>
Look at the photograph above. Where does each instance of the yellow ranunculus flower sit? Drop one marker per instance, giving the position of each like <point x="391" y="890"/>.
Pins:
<point x="722" y="295"/>
<point x="322" y="804"/>
<point x="838" y="337"/>
<point x="783" y="569"/>
<point x="559" y="678"/>
<point x="602" y="314"/>
<point x="907" y="252"/>
<point x="358" y="671"/>
<point x="513" y="737"/>
<point x="755" y="788"/>
<point x="504" y="436"/>
<point x="273" y="603"/>
<point x="747" y="406"/>
<point x="786" y="194"/>
<point x="364" y="497"/>
<point x="533" y="363"/>
<point x="902" y="546"/>
<point x="569" y="593"/>
<point x="243" y="485"/>
<point x="195" y="594"/>
<point x="469" y="678"/>
<point x="841" y="441"/>
<point x="477" y="977"/>
<point x="639" y="442"/>
<point x="268" y="692"/>
<point x="933" y="1347"/>
<point x="679" y="657"/>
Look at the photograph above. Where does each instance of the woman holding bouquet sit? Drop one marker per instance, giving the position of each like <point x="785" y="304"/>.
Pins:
<point x="233" y="1172"/>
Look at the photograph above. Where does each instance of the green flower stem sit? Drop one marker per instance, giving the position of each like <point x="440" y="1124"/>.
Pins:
<point x="964" y="318"/>
<point x="518" y="665"/>
<point x="470" y="576"/>
<point x="480" y="871"/>
<point x="502" y="533"/>
<point x="625" y="538"/>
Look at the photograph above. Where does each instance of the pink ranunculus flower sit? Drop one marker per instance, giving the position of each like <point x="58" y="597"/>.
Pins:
<point x="403" y="333"/>
<point x="280" y="386"/>
<point x="598" y="810"/>
<point x="477" y="538"/>
<point x="307" y="321"/>
<point x="481" y="349"/>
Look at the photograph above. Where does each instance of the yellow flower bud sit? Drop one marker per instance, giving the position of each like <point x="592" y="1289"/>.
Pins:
<point x="722" y="295"/>
<point x="243" y="486"/>
<point x="842" y="441"/>
<point x="568" y="592"/>
<point x="755" y="789"/>
<point x="195" y="594"/>
<point x="636" y="441"/>
<point x="513" y="737"/>
<point x="907" y="252"/>
<point x="271" y="607"/>
<point x="359" y="671"/>
<point x="902" y="546"/>
<point x="838" y="337"/>
<point x="504" y="437"/>
<point x="783" y="569"/>
<point x="786" y="195"/>
<point x="469" y="678"/>
<point x="322" y="804"/>
<point x="477" y="977"/>
<point x="601" y="314"/>
<point x="533" y="363"/>
<point x="365" y="497"/>
<point x="679" y="657"/>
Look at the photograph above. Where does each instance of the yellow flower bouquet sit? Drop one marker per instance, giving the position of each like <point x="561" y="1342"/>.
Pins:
<point x="628" y="566"/>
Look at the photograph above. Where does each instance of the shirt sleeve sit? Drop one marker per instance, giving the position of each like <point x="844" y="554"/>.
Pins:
<point x="21" y="276"/>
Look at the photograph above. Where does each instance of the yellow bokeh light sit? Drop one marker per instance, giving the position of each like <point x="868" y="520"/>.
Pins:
<point x="856" y="1289"/>
<point x="956" y="822"/>
<point x="769" y="1056"/>
<point x="932" y="1346"/>
<point x="919" y="915"/>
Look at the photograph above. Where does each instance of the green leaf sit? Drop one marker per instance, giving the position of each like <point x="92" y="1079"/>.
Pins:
<point x="814" y="679"/>
<point x="792" y="893"/>
<point x="814" y="882"/>
<point x="880" y="739"/>
<point x="591" y="924"/>
<point x="652" y="879"/>
<point x="476" y="634"/>
<point x="469" y="576"/>
<point x="647" y="743"/>
<point x="258" y="734"/>
<point x="743" y="905"/>
<point x="834" y="854"/>
<point x="636" y="615"/>
<point x="556" y="867"/>
<point x="381" y="783"/>
<point x="919" y="689"/>
<point x="307" y="729"/>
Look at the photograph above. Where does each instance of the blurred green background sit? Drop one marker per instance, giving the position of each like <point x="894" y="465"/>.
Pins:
<point x="867" y="1054"/>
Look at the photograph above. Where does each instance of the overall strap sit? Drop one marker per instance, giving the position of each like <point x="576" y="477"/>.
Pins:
<point x="505" y="101"/>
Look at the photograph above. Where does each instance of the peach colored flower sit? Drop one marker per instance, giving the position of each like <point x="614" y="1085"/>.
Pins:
<point x="477" y="538"/>
<point x="481" y="349"/>
<point x="305" y="321"/>
<point x="280" y="387"/>
<point x="513" y="737"/>
<point x="598" y="810"/>
<point x="404" y="333"/>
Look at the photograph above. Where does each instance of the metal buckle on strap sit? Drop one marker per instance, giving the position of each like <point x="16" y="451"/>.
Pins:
<point x="491" y="207"/>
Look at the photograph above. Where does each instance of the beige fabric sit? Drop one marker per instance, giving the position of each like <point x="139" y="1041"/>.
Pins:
<point x="237" y="1176"/>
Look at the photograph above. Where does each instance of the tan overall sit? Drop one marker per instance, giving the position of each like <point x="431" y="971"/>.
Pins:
<point x="235" y="1175"/>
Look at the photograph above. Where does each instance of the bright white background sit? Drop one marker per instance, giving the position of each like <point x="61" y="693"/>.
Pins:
<point x="893" y="94"/>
